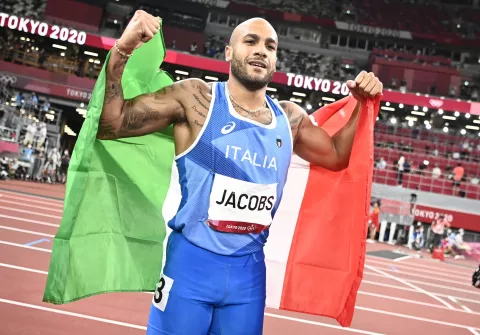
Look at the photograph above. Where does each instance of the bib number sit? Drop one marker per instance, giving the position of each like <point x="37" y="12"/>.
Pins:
<point x="162" y="291"/>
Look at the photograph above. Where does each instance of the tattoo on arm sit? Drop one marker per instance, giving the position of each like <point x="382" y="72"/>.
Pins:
<point x="137" y="116"/>
<point x="106" y="131"/>
<point x="295" y="120"/>
<point x="198" y="123"/>
<point x="113" y="91"/>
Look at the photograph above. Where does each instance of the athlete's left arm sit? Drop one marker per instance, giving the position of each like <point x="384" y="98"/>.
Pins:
<point x="313" y="144"/>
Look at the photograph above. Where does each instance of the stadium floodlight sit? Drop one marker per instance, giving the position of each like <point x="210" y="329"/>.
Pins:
<point x="415" y="108"/>
<point x="89" y="53"/>
<point x="476" y="121"/>
<point x="445" y="129"/>
<point x="440" y="111"/>
<point x="393" y="120"/>
<point x="428" y="126"/>
<point x="387" y="104"/>
<point x="426" y="162"/>
<point x="185" y="73"/>
<point x="425" y="109"/>
<point x="446" y="117"/>
<point x="271" y="89"/>
<point x="298" y="94"/>
<point x="401" y="105"/>
<point x="472" y="127"/>
<point x="426" y="122"/>
<point x="467" y="115"/>
<point x="309" y="106"/>
<point x="59" y="46"/>
<point x="411" y="123"/>
<point x="457" y="114"/>
<point x="463" y="131"/>
<point x="387" y="108"/>
<point x="418" y="113"/>
<point x="328" y="99"/>
<point x="211" y="78"/>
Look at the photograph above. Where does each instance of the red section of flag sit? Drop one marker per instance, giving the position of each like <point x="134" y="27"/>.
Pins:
<point x="326" y="260"/>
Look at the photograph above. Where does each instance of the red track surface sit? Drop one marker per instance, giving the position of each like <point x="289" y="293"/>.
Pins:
<point x="441" y="300"/>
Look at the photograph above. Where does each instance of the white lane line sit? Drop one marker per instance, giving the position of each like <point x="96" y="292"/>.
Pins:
<point x="421" y="270"/>
<point x="26" y="231"/>
<point x="461" y="305"/>
<point x="352" y="330"/>
<point x="401" y="258"/>
<point x="77" y="315"/>
<point x="25" y="246"/>
<point x="22" y="196"/>
<point x="457" y="282"/>
<point x="412" y="290"/>
<point x="473" y="331"/>
<point x="404" y="282"/>
<point x="428" y="284"/>
<point x="18" y="218"/>
<point x="24" y="204"/>
<point x="388" y="297"/>
<point x="29" y="212"/>
<point x="11" y="266"/>
<point x="446" y="268"/>
<point x="412" y="317"/>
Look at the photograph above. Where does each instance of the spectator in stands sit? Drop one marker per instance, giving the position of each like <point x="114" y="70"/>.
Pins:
<point x="458" y="173"/>
<point x="33" y="100"/>
<point x="400" y="168"/>
<point x="64" y="163"/>
<point x="41" y="134"/>
<point x="30" y="134"/>
<point x="438" y="229"/>
<point x="382" y="164"/>
<point x="460" y="246"/>
<point x="46" y="106"/>
<point x="474" y="180"/>
<point x="19" y="100"/>
<point x="193" y="48"/>
<point x="436" y="172"/>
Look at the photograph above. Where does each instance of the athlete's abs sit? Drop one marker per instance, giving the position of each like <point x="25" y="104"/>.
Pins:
<point x="232" y="177"/>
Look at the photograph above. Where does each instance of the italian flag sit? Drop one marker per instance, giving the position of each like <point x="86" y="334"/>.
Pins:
<point x="121" y="193"/>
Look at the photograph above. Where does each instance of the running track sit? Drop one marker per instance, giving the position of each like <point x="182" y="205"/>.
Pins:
<point x="412" y="296"/>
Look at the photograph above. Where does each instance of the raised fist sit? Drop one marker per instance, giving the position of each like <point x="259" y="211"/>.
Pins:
<point x="141" y="29"/>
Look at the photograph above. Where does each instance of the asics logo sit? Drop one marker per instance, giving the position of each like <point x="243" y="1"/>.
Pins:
<point x="228" y="128"/>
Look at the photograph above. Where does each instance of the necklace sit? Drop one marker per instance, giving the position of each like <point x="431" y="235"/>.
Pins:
<point x="249" y="112"/>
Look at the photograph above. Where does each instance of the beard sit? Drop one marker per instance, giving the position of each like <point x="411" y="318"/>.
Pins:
<point x="250" y="82"/>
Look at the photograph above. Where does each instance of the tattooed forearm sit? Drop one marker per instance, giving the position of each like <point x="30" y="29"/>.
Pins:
<point x="136" y="117"/>
<point x="198" y="112"/>
<point x="113" y="91"/>
<point x="106" y="131"/>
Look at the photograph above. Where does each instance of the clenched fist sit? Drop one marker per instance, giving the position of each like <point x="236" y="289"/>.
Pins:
<point x="366" y="85"/>
<point x="141" y="29"/>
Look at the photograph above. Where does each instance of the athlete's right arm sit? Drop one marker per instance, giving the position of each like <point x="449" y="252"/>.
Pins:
<point x="146" y="113"/>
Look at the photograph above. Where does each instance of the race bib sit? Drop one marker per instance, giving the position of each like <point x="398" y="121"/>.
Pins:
<point x="162" y="291"/>
<point x="240" y="207"/>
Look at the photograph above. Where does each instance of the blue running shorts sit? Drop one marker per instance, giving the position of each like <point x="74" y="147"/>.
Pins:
<point x="202" y="293"/>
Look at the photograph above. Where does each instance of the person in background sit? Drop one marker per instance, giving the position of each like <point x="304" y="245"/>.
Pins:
<point x="458" y="173"/>
<point x="436" y="172"/>
<point x="382" y="164"/>
<point x="400" y="167"/>
<point x="476" y="278"/>
<point x="418" y="238"/>
<point x="374" y="220"/>
<point x="460" y="246"/>
<point x="438" y="229"/>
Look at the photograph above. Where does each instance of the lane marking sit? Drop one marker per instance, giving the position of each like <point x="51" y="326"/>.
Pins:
<point x="402" y="258"/>
<point x="404" y="282"/>
<point x="25" y="246"/>
<point x="26" y="231"/>
<point x="11" y="266"/>
<point x="419" y="269"/>
<point x="29" y="212"/>
<point x="415" y="318"/>
<point x="29" y="195"/>
<point x="461" y="305"/>
<point x="353" y="330"/>
<point x="31" y="206"/>
<point x="430" y="278"/>
<point x="17" y="218"/>
<point x="416" y="302"/>
<point x="37" y="241"/>
<point x="78" y="315"/>
<point x="428" y="284"/>
<point x="473" y="331"/>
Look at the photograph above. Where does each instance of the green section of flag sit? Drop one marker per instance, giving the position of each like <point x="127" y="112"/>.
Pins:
<point x="112" y="230"/>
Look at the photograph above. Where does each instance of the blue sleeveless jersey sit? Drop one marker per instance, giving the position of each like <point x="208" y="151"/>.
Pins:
<point x="232" y="178"/>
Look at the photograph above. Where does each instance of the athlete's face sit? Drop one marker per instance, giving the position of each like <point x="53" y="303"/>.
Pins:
<point x="253" y="54"/>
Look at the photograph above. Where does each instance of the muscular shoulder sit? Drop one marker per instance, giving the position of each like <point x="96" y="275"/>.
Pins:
<point x="296" y="116"/>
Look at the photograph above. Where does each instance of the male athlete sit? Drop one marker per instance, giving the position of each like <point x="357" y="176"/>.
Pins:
<point x="233" y="147"/>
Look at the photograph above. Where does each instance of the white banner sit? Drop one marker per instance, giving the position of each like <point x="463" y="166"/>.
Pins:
<point x="360" y="28"/>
